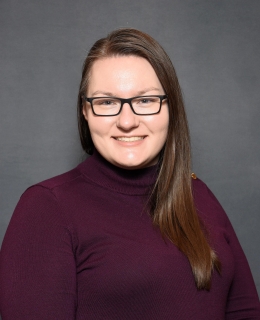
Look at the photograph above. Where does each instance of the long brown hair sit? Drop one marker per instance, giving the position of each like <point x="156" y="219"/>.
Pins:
<point x="173" y="208"/>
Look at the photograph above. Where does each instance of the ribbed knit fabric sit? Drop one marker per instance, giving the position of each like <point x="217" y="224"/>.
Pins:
<point x="82" y="246"/>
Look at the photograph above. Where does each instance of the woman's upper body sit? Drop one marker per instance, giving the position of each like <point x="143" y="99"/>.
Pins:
<point x="82" y="246"/>
<point x="126" y="235"/>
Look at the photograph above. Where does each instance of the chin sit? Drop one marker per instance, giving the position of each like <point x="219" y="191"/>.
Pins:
<point x="131" y="165"/>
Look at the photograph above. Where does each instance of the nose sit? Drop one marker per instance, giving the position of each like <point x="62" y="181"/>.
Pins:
<point x="127" y="120"/>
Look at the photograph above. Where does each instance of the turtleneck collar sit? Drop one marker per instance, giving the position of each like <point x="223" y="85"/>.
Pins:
<point x="132" y="182"/>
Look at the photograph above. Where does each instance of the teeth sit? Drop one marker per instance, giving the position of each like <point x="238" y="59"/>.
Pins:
<point x="129" y="139"/>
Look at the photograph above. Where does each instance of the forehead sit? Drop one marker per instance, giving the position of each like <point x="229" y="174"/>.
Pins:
<point x="122" y="73"/>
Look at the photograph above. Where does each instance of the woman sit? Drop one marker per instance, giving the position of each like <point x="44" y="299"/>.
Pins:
<point x="127" y="234"/>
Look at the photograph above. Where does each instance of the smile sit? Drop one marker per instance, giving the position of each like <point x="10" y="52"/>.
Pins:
<point x="129" y="139"/>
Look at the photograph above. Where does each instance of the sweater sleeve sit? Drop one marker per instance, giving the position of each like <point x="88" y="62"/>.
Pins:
<point x="242" y="301"/>
<point x="37" y="265"/>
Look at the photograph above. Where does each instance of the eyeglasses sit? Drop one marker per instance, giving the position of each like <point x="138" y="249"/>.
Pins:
<point x="112" y="106"/>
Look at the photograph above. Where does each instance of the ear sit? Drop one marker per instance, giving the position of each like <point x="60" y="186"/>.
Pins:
<point x="84" y="111"/>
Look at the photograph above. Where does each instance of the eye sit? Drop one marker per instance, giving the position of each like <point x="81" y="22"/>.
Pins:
<point x="145" y="100"/>
<point x="105" y="102"/>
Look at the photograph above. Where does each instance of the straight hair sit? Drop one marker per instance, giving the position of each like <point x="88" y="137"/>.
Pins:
<point x="172" y="204"/>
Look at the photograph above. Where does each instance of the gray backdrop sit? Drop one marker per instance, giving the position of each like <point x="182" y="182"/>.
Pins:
<point x="215" y="47"/>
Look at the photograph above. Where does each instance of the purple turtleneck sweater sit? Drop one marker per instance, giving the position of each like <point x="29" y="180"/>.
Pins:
<point x="82" y="246"/>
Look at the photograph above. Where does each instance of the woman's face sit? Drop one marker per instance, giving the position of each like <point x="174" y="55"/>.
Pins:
<point x="127" y="140"/>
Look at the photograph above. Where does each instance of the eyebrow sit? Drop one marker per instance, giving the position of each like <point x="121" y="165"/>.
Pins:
<point x="110" y="94"/>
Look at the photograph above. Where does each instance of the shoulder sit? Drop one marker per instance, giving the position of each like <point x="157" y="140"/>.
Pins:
<point x="200" y="189"/>
<point x="56" y="185"/>
<point x="207" y="205"/>
<point x="202" y="193"/>
<point x="60" y="180"/>
<point x="42" y="206"/>
<point x="51" y="194"/>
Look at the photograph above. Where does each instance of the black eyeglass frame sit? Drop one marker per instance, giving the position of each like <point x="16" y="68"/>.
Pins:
<point x="123" y="101"/>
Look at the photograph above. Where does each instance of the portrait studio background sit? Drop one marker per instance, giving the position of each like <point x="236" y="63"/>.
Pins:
<point x="215" y="48"/>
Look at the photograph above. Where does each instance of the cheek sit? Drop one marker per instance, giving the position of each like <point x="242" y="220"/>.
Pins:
<point x="164" y="134"/>
<point x="100" y="126"/>
<point x="160" y="125"/>
<point x="165" y="121"/>
<point x="162" y="131"/>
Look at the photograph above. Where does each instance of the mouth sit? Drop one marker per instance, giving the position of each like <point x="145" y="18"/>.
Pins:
<point x="129" y="139"/>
